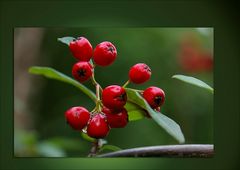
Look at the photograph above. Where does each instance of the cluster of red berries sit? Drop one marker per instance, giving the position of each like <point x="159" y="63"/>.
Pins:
<point x="109" y="111"/>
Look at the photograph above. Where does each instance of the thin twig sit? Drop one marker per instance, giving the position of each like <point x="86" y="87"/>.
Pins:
<point x="201" y="151"/>
<point x="94" y="149"/>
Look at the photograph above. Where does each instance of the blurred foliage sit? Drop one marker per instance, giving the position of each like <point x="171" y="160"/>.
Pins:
<point x="190" y="107"/>
<point x="28" y="144"/>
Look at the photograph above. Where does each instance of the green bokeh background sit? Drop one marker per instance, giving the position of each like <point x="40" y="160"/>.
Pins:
<point x="115" y="14"/>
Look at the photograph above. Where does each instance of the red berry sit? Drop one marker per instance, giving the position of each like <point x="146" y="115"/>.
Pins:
<point x="139" y="73"/>
<point x="114" y="97"/>
<point x="98" y="126"/>
<point x="82" y="71"/>
<point x="154" y="96"/>
<point x="81" y="49"/>
<point x="104" y="54"/>
<point x="116" y="119"/>
<point x="77" y="117"/>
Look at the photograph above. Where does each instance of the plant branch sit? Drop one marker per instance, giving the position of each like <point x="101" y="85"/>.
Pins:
<point x="94" y="149"/>
<point x="199" y="150"/>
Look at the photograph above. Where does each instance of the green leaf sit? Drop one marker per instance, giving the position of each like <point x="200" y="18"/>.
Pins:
<point x="131" y="106"/>
<point x="87" y="138"/>
<point x="54" y="74"/>
<point x="165" y="122"/>
<point x="136" y="115"/>
<point x="109" y="147"/>
<point x="66" y="40"/>
<point x="194" y="81"/>
<point x="134" y="111"/>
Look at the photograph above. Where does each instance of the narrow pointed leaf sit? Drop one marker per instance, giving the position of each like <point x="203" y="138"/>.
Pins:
<point x="131" y="106"/>
<point x="66" y="40"/>
<point x="54" y="74"/>
<point x="194" y="81"/>
<point x="165" y="122"/>
<point x="136" y="115"/>
<point x="134" y="111"/>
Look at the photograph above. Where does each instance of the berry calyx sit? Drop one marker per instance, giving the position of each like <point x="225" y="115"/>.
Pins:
<point x="82" y="71"/>
<point x="114" y="97"/>
<point x="139" y="73"/>
<point x="154" y="96"/>
<point x="77" y="117"/>
<point x="81" y="49"/>
<point x="116" y="119"/>
<point x="104" y="54"/>
<point x="98" y="127"/>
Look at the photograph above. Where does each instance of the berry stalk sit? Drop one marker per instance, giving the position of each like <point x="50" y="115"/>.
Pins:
<point x="126" y="83"/>
<point x="98" y="107"/>
<point x="94" y="82"/>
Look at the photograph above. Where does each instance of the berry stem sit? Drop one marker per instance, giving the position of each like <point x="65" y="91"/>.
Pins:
<point x="139" y="91"/>
<point x="94" y="82"/>
<point x="98" y="107"/>
<point x="125" y="84"/>
<point x="97" y="91"/>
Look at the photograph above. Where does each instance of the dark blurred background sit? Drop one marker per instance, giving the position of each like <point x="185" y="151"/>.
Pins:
<point x="39" y="103"/>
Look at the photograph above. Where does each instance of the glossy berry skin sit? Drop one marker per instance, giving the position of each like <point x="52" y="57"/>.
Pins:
<point x="82" y="71"/>
<point x="77" y="117"/>
<point x="114" y="97"/>
<point x="139" y="73"/>
<point x="98" y="126"/>
<point x="116" y="119"/>
<point x="154" y="96"/>
<point x="104" y="54"/>
<point x="81" y="49"/>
